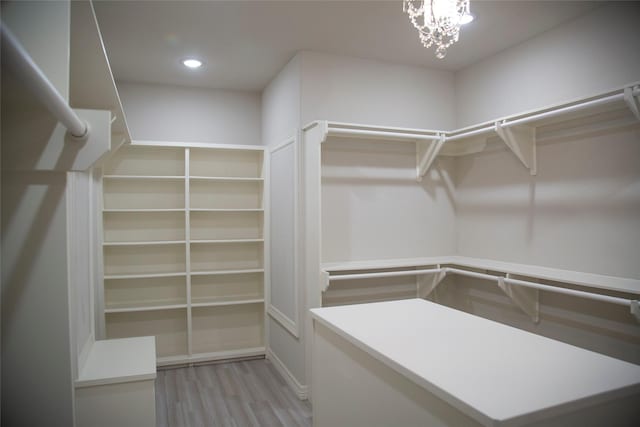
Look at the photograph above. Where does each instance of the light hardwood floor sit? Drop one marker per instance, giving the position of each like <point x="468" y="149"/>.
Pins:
<point x="235" y="394"/>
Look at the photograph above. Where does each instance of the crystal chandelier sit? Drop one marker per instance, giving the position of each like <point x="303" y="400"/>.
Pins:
<point x="438" y="21"/>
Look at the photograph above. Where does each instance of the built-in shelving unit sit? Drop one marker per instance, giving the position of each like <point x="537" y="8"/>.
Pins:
<point x="519" y="132"/>
<point x="184" y="249"/>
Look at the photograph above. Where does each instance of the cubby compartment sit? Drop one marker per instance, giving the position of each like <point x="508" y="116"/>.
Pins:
<point x="225" y="163"/>
<point x="143" y="194"/>
<point x="143" y="226"/>
<point x="168" y="326"/>
<point x="226" y="225"/>
<point x="146" y="161"/>
<point x="141" y="260"/>
<point x="142" y="293"/>
<point x="226" y="288"/>
<point x="226" y="194"/>
<point x="227" y="328"/>
<point x="212" y="257"/>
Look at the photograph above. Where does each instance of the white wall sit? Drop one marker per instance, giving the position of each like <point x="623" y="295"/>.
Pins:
<point x="173" y="113"/>
<point x="346" y="89"/>
<point x="281" y="104"/>
<point x="36" y="344"/>
<point x="280" y="121"/>
<point x="591" y="54"/>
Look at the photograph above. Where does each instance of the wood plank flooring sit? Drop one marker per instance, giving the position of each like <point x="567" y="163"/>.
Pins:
<point x="235" y="394"/>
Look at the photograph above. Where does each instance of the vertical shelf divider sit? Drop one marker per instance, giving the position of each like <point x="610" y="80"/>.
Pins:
<point x="187" y="238"/>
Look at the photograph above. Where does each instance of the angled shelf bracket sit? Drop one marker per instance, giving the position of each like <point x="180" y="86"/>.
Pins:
<point x="426" y="153"/>
<point x="632" y="101"/>
<point x="522" y="141"/>
<point x="428" y="283"/>
<point x="525" y="298"/>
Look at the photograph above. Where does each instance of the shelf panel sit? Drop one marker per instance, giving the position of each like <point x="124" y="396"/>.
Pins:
<point x="139" y="194"/>
<point x="150" y="307"/>
<point x="227" y="287"/>
<point x="145" y="292"/>
<point x="226" y="195"/>
<point x="226" y="210"/>
<point x="230" y="256"/>
<point x="146" y="161"/>
<point x="225" y="179"/>
<point x="129" y="260"/>
<point x="225" y="163"/>
<point x="144" y="177"/>
<point x="227" y="303"/>
<point x="168" y="326"/>
<point x="145" y="243"/>
<point x="226" y="272"/>
<point x="228" y="241"/>
<point x="143" y="276"/>
<point x="227" y="328"/>
<point x="142" y="210"/>
<point x="136" y="226"/>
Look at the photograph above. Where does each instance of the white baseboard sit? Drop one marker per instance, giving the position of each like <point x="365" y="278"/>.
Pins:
<point x="302" y="391"/>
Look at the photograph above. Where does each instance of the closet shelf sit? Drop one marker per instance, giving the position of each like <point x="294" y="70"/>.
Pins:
<point x="145" y="243"/>
<point x="143" y="210"/>
<point x="588" y="280"/>
<point x="146" y="177"/>
<point x="226" y="272"/>
<point x="205" y="357"/>
<point x="226" y="210"/>
<point x="139" y="308"/>
<point x="519" y="132"/>
<point x="225" y="179"/>
<point x="143" y="276"/>
<point x="229" y="241"/>
<point x="227" y="303"/>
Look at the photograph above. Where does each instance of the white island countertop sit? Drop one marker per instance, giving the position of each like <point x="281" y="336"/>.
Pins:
<point x="494" y="373"/>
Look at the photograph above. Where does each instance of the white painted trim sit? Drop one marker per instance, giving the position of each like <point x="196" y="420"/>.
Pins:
<point x="291" y="325"/>
<point x="302" y="391"/>
<point x="283" y="320"/>
<point x="179" y="144"/>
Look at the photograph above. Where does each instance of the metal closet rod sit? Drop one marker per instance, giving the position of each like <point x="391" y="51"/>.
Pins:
<point x="554" y="112"/>
<point x="446" y="270"/>
<point x="40" y="86"/>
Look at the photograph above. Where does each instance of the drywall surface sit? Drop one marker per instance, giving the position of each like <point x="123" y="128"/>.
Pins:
<point x="373" y="207"/>
<point x="173" y="113"/>
<point x="281" y="105"/>
<point x="346" y="89"/>
<point x="36" y="345"/>
<point x="280" y="121"/>
<point x="591" y="54"/>
<point x="581" y="212"/>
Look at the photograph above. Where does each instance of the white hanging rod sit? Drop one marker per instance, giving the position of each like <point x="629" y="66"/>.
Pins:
<point x="384" y="274"/>
<point x="41" y="87"/>
<point x="409" y="137"/>
<point x="543" y="115"/>
<point x="572" y="292"/>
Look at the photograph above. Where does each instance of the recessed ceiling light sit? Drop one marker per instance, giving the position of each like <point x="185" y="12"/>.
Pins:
<point x="192" y="63"/>
<point x="466" y="18"/>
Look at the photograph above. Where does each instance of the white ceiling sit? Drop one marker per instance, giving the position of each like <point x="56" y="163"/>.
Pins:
<point x="245" y="43"/>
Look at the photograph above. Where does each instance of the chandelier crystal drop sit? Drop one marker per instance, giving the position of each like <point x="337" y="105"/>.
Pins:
<point x="437" y="21"/>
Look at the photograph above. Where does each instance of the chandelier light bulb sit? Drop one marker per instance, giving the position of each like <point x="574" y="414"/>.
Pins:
<point x="438" y="21"/>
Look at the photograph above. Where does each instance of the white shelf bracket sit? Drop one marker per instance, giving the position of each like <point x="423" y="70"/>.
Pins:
<point x="632" y="101"/>
<point x="522" y="141"/>
<point x="324" y="280"/>
<point x="428" y="283"/>
<point x="525" y="298"/>
<point x="426" y="153"/>
<point x="635" y="309"/>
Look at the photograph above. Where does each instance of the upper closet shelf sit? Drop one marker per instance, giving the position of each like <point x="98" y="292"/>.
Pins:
<point x="516" y="280"/>
<point x="520" y="132"/>
<point x="91" y="82"/>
